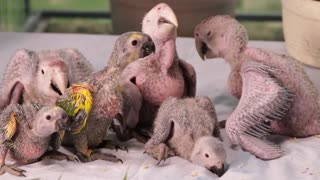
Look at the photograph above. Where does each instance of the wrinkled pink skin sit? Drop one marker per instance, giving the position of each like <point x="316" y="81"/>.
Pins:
<point x="156" y="82"/>
<point x="33" y="133"/>
<point x="29" y="150"/>
<point x="261" y="79"/>
<point x="159" y="75"/>
<point x="30" y="75"/>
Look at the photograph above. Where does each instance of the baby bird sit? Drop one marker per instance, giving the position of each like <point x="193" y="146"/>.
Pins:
<point x="276" y="95"/>
<point x="188" y="128"/>
<point x="94" y="102"/>
<point x="25" y="132"/>
<point x="151" y="80"/>
<point x="41" y="76"/>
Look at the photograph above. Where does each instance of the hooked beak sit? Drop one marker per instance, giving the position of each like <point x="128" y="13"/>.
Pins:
<point x="59" y="83"/>
<point x="218" y="171"/>
<point x="63" y="123"/>
<point x="168" y="16"/>
<point x="202" y="49"/>
<point x="167" y="20"/>
<point x="147" y="49"/>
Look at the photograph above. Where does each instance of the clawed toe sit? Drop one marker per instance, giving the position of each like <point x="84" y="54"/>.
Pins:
<point x="12" y="170"/>
<point x="56" y="155"/>
<point x="106" y="157"/>
<point x="159" y="152"/>
<point x="111" y="145"/>
<point x="140" y="137"/>
<point x="97" y="156"/>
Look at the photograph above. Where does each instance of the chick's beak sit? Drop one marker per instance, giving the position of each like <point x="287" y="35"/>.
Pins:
<point x="202" y="49"/>
<point x="59" y="83"/>
<point x="148" y="48"/>
<point x="63" y="122"/>
<point x="217" y="170"/>
<point x="168" y="16"/>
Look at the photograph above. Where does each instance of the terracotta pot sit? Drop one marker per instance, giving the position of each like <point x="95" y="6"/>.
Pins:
<point x="301" y="25"/>
<point x="127" y="15"/>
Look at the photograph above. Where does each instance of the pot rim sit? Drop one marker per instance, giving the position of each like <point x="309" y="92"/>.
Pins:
<point x="309" y="9"/>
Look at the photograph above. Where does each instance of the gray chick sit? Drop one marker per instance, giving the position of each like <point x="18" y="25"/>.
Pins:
<point x="188" y="128"/>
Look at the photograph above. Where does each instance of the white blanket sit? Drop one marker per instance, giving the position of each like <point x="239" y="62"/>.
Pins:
<point x="300" y="162"/>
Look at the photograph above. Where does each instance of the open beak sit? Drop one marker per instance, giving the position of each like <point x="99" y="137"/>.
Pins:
<point x="59" y="83"/>
<point x="202" y="49"/>
<point x="168" y="16"/>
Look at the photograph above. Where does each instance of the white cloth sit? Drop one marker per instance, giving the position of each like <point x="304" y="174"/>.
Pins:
<point x="300" y="162"/>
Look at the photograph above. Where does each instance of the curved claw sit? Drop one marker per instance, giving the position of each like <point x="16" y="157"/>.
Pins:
<point x="56" y="155"/>
<point x="111" y="145"/>
<point x="123" y="148"/>
<point x="163" y="159"/>
<point x="12" y="170"/>
<point x="73" y="159"/>
<point x="82" y="158"/>
<point x="95" y="156"/>
<point x="120" y="160"/>
<point x="159" y="152"/>
<point x="158" y="163"/>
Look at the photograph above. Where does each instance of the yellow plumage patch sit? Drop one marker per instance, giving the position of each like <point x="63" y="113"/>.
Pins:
<point x="82" y="101"/>
<point x="78" y="99"/>
<point x="134" y="56"/>
<point x="11" y="126"/>
<point x="136" y="35"/>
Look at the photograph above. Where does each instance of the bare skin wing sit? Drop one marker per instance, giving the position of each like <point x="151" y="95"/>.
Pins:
<point x="17" y="72"/>
<point x="132" y="102"/>
<point x="132" y="96"/>
<point x="263" y="100"/>
<point x="190" y="78"/>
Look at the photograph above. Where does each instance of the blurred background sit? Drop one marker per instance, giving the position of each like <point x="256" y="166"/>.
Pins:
<point x="262" y="18"/>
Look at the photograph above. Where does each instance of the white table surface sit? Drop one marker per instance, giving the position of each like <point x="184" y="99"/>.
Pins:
<point x="300" y="162"/>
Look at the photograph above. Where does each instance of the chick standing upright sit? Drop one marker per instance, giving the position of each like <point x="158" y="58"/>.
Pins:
<point x="151" y="80"/>
<point x="95" y="101"/>
<point x="276" y="95"/>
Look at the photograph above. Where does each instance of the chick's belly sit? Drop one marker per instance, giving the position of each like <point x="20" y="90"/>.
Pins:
<point x="156" y="91"/>
<point x="28" y="153"/>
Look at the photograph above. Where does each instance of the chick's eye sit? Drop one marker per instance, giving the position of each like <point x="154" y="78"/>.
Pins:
<point x="48" y="117"/>
<point x="134" y="42"/>
<point x="42" y="71"/>
<point x="207" y="155"/>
